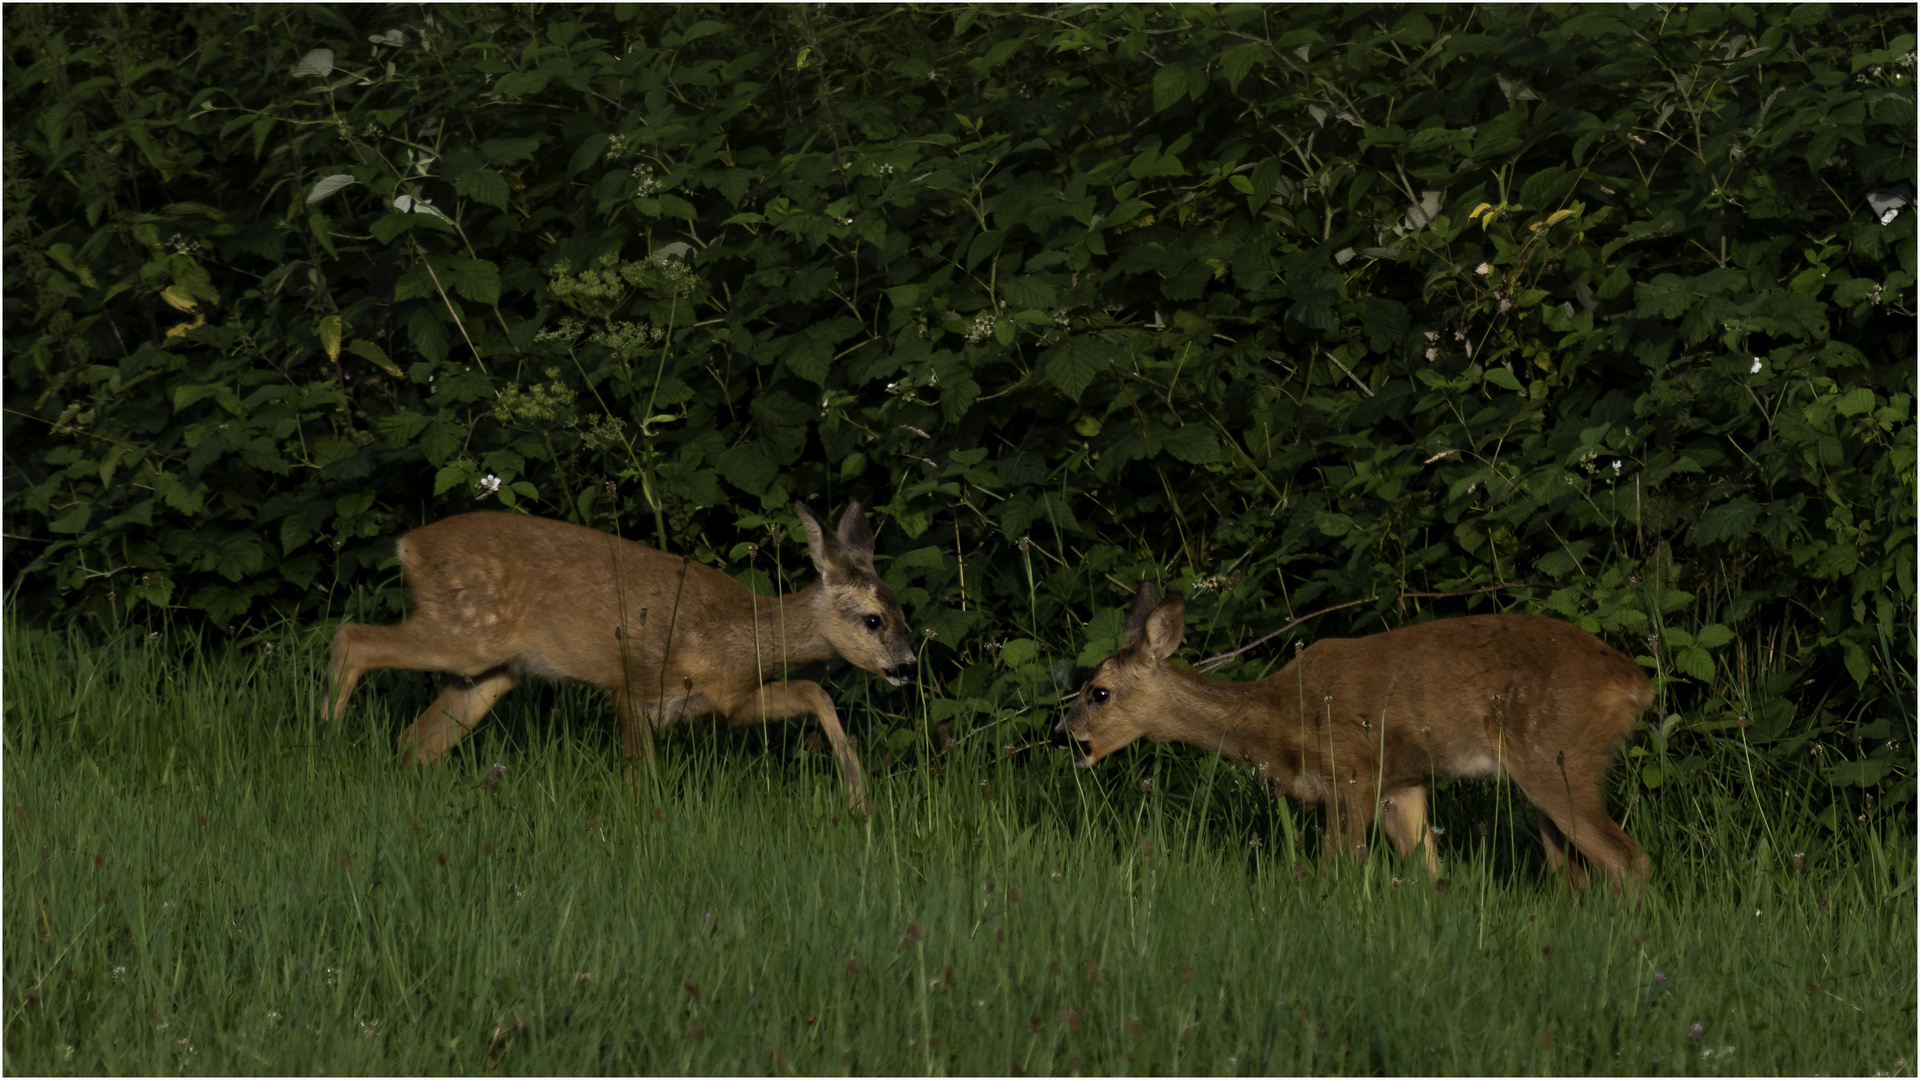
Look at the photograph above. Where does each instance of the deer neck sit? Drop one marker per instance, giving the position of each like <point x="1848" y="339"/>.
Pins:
<point x="790" y="629"/>
<point x="1255" y="722"/>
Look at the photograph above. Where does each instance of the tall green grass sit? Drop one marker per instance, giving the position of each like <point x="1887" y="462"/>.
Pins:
<point x="200" y="877"/>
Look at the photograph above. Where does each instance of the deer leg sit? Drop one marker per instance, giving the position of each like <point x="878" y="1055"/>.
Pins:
<point x="777" y="700"/>
<point x="1605" y="843"/>
<point x="417" y="645"/>
<point x="1404" y="815"/>
<point x="1577" y="812"/>
<point x="1558" y="848"/>
<point x="1356" y="814"/>
<point x="459" y="709"/>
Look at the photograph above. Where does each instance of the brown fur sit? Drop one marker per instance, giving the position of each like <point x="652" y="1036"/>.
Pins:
<point x="1361" y="724"/>
<point x="498" y="597"/>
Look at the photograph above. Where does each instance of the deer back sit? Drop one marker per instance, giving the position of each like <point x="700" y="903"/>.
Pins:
<point x="1465" y="697"/>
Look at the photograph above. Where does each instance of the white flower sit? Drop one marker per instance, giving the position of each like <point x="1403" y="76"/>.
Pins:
<point x="1616" y="464"/>
<point x="1483" y="269"/>
<point x="1755" y="370"/>
<point x="489" y="485"/>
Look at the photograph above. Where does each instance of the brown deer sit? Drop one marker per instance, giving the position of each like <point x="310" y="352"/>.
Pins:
<point x="498" y="597"/>
<point x="1360" y="724"/>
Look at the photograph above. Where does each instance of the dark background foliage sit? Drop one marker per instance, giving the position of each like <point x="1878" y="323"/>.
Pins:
<point x="1600" y="312"/>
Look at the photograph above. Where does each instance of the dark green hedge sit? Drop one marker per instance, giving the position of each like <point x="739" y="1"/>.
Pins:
<point x="1605" y="312"/>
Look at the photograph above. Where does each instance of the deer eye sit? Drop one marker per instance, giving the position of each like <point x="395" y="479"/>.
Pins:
<point x="873" y="622"/>
<point x="1099" y="695"/>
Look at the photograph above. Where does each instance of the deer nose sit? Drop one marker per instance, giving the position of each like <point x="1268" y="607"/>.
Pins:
<point x="1060" y="741"/>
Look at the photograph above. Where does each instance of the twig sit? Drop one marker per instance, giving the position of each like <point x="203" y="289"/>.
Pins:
<point x="477" y="358"/>
<point x="1469" y="592"/>
<point x="91" y="435"/>
<point x="1212" y="662"/>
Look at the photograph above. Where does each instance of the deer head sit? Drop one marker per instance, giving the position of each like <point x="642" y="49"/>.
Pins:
<point x="857" y="613"/>
<point x="1126" y="696"/>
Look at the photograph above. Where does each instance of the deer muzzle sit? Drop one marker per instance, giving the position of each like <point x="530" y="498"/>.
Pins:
<point x="898" y="674"/>
<point x="1063" y="739"/>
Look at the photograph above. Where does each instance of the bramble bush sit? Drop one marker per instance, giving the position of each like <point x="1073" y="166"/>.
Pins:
<point x="1600" y="312"/>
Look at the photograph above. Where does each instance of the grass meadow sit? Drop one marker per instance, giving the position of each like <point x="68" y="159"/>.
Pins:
<point x="200" y="878"/>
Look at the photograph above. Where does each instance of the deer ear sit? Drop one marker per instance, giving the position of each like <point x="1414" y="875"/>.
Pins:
<point x="1144" y="601"/>
<point x="828" y="554"/>
<point x="1166" y="626"/>
<point x="854" y="533"/>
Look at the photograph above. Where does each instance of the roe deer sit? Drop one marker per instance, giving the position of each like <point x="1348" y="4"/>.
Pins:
<point x="1359" y="724"/>
<point x="498" y="597"/>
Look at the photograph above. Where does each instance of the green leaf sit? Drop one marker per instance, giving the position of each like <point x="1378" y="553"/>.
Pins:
<point x="931" y="558"/>
<point x="1854" y="402"/>
<point x="1697" y="663"/>
<point x="73" y="521"/>
<point x="587" y="152"/>
<point x="749" y="467"/>
<point x="367" y="350"/>
<point x="1073" y="365"/>
<point x="484" y="186"/>
<point x="1193" y="444"/>
<point x="508" y="151"/>
<point x="1333" y="524"/>
<point x="454" y="475"/>
<point x="810" y="358"/>
<point x="1731" y="520"/>
<point x="389" y="226"/>
<point x="428" y="334"/>
<point x="1713" y="636"/>
<point x="474" y="279"/>
<point x="1501" y="378"/>
<point x="1236" y="62"/>
<point x="1867" y="772"/>
<point x="1019" y="651"/>
<point x="1169" y="86"/>
<point x="328" y="186"/>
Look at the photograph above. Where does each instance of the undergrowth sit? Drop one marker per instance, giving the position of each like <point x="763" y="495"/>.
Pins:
<point x="201" y="877"/>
